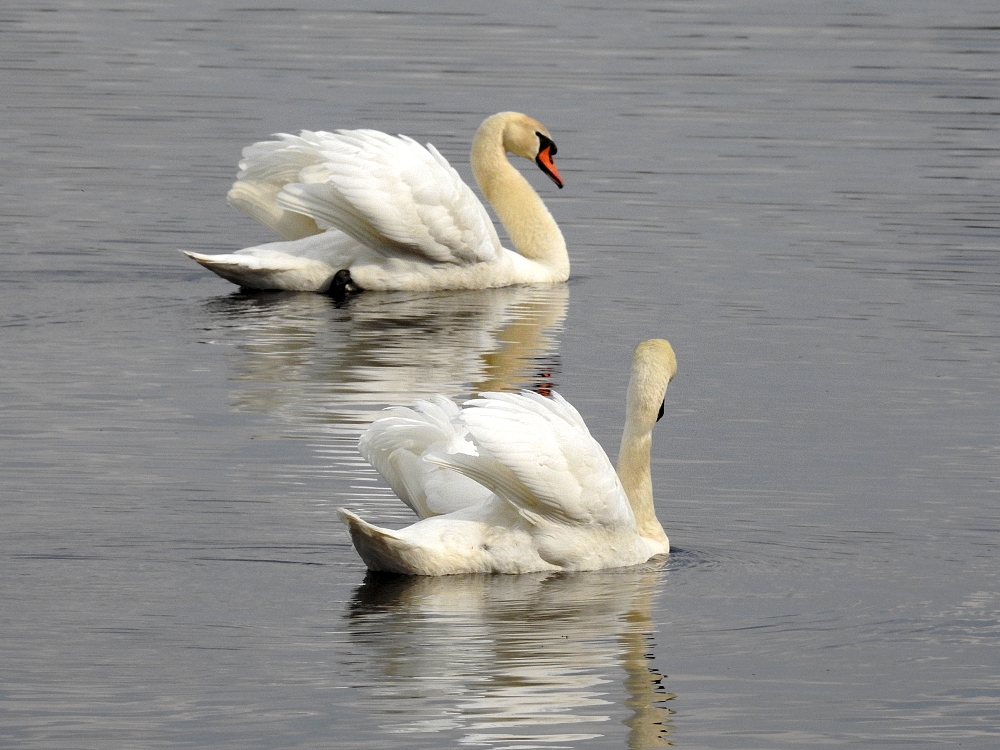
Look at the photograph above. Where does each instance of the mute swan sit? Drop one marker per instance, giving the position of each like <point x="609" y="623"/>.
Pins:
<point x="514" y="483"/>
<point x="359" y="209"/>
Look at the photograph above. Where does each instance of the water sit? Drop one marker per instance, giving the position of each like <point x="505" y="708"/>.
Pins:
<point x="802" y="197"/>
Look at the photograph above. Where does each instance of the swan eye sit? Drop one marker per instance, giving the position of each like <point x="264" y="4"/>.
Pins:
<point x="545" y="142"/>
<point x="659" y="414"/>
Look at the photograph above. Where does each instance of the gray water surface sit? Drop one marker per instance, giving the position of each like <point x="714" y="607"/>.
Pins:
<point x="802" y="197"/>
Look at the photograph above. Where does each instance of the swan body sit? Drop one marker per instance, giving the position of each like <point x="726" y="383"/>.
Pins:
<point x="394" y="214"/>
<point x="515" y="483"/>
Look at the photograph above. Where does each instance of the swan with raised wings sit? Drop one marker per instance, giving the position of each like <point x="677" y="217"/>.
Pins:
<point x="359" y="209"/>
<point x="515" y="483"/>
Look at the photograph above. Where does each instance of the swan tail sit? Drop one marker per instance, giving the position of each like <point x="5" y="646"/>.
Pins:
<point x="258" y="199"/>
<point x="278" y="272"/>
<point x="230" y="267"/>
<point x="381" y="549"/>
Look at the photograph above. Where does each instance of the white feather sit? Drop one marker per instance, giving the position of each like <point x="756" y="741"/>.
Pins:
<point x="553" y="502"/>
<point x="397" y="444"/>
<point x="393" y="212"/>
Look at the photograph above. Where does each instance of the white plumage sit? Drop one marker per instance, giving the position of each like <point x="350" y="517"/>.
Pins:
<point x="397" y="446"/>
<point x="393" y="213"/>
<point x="515" y="483"/>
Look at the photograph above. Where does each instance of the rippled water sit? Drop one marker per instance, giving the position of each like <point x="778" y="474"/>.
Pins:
<point x="802" y="197"/>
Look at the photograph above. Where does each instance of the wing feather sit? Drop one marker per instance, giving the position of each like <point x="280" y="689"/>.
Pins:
<point x="389" y="193"/>
<point x="538" y="454"/>
<point x="396" y="445"/>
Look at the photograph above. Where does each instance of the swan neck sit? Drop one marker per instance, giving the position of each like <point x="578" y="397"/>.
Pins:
<point x="529" y="224"/>
<point x="633" y="470"/>
<point x="641" y="407"/>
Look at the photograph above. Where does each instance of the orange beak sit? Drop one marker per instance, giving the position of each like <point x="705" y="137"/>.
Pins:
<point x="545" y="163"/>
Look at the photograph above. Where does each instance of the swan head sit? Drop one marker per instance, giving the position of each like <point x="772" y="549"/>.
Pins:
<point x="526" y="137"/>
<point x="654" y="365"/>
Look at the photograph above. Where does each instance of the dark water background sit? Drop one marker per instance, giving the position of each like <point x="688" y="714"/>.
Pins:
<point x="803" y="197"/>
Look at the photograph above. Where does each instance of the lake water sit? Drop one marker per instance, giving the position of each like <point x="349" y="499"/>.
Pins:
<point x="803" y="197"/>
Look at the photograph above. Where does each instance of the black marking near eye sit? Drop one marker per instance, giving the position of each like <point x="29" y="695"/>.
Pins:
<point x="543" y="141"/>
<point x="546" y="151"/>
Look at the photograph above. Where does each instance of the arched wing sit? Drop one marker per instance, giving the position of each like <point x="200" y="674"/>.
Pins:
<point x="395" y="446"/>
<point x="538" y="454"/>
<point x="389" y="193"/>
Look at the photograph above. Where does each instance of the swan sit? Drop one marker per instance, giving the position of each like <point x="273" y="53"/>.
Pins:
<point x="514" y="483"/>
<point x="359" y="209"/>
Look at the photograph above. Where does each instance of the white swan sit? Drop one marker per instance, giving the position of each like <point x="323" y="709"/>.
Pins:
<point x="514" y="483"/>
<point x="392" y="215"/>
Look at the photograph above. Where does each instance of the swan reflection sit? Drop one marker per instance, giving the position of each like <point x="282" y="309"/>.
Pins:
<point x="325" y="370"/>
<point x="303" y="357"/>
<point x="533" y="660"/>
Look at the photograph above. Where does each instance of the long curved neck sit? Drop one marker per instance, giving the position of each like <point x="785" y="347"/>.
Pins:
<point x="531" y="227"/>
<point x="633" y="467"/>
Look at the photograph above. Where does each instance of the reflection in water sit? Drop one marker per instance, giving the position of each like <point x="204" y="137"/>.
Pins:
<point x="534" y="660"/>
<point x="325" y="370"/>
<point x="303" y="355"/>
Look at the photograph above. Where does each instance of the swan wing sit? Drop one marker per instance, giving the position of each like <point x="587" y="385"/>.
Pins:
<point x="390" y="193"/>
<point x="395" y="446"/>
<point x="538" y="454"/>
